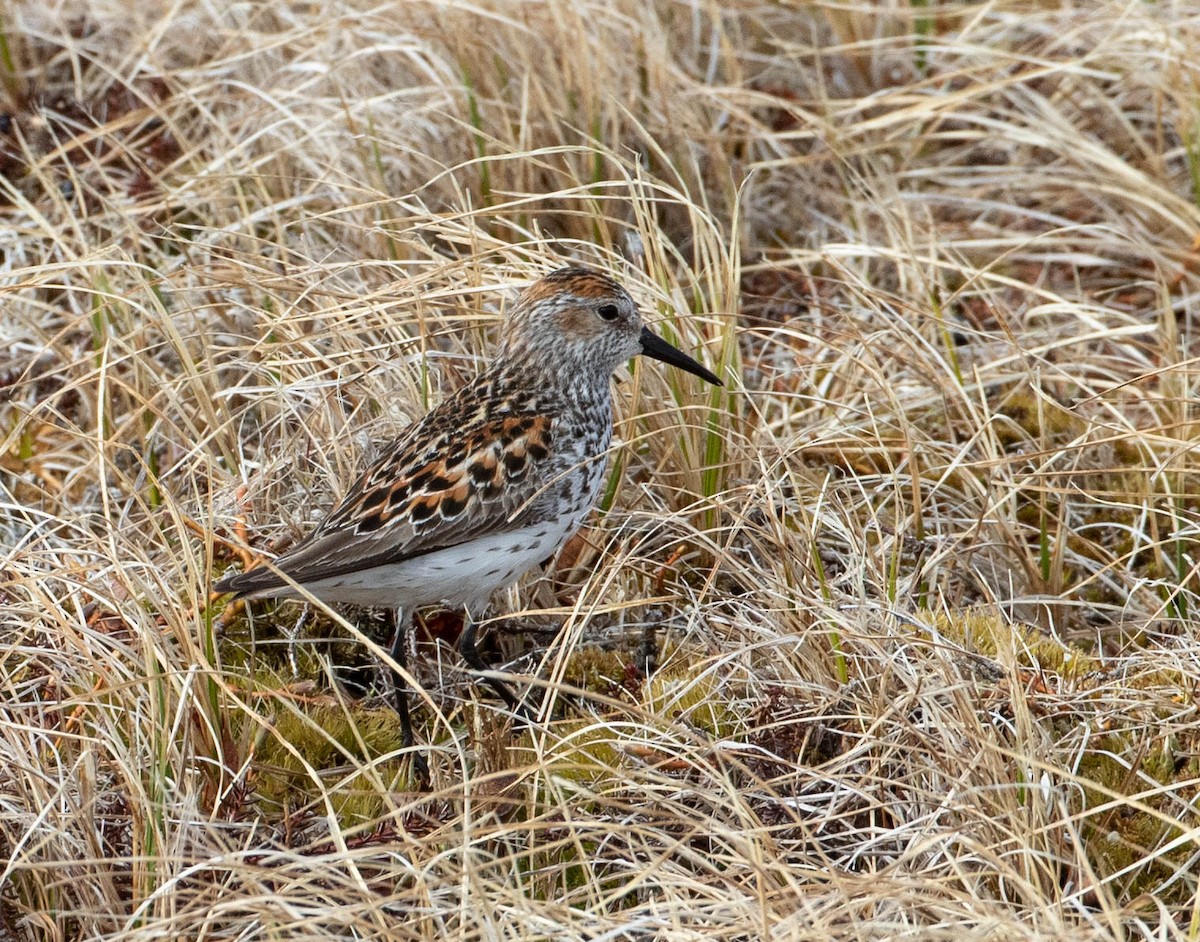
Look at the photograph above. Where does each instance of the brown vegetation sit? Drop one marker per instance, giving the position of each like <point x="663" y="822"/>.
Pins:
<point x="896" y="637"/>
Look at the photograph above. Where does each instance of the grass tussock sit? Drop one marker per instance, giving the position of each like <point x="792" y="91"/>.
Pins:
<point x="895" y="637"/>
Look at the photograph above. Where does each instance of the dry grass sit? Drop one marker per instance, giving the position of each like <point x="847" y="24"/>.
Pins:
<point x="923" y="580"/>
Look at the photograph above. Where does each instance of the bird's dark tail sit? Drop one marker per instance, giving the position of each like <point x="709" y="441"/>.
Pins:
<point x="250" y="583"/>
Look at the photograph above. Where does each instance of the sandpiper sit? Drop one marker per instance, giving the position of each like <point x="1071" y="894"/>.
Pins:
<point x="489" y="483"/>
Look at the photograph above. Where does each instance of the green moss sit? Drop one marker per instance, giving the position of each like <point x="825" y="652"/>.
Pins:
<point x="313" y="755"/>
<point x="598" y="670"/>
<point x="586" y="752"/>
<point x="269" y="648"/>
<point x="315" y="749"/>
<point x="691" y="695"/>
<point x="1127" y="839"/>
<point x="990" y="633"/>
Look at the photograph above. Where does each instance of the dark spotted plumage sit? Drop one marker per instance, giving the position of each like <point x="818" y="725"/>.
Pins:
<point x="523" y="444"/>
<point x="422" y="495"/>
<point x="493" y="480"/>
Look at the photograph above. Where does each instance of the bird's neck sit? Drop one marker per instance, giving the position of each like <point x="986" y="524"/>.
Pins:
<point x="579" y="385"/>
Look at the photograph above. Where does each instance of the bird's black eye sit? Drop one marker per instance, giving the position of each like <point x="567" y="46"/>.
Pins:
<point x="608" y="311"/>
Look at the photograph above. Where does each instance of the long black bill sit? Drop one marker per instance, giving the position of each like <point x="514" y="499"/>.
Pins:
<point x="654" y="346"/>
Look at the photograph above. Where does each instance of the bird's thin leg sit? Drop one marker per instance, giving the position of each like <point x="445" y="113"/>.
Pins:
<point x="470" y="654"/>
<point x="399" y="652"/>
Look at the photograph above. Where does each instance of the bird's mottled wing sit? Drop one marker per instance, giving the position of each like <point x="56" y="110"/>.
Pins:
<point x="471" y="467"/>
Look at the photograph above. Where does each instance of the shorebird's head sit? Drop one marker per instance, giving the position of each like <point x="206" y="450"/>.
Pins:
<point x="580" y="319"/>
